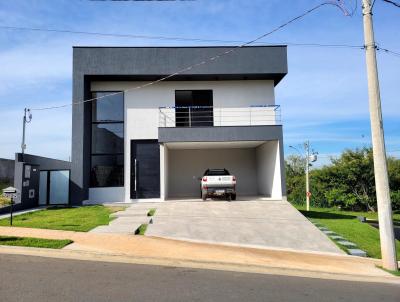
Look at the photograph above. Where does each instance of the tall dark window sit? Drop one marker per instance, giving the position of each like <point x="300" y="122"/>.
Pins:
<point x="107" y="158"/>
<point x="194" y="108"/>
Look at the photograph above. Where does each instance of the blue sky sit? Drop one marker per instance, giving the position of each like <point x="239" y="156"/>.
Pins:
<point x="324" y="96"/>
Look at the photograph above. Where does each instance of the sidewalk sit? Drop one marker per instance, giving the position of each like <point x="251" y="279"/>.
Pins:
<point x="150" y="250"/>
<point x="7" y="215"/>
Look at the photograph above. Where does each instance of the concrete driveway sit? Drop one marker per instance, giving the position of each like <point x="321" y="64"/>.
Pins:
<point x="252" y="222"/>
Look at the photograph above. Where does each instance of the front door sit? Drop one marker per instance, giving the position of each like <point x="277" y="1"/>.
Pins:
<point x="145" y="169"/>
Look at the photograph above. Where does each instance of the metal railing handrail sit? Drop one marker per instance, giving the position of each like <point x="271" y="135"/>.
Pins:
<point x="191" y="116"/>
<point x="225" y="107"/>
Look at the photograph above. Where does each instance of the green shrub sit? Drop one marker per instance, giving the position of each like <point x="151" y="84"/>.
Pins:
<point x="347" y="182"/>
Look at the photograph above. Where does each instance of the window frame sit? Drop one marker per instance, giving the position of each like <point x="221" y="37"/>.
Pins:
<point x="91" y="137"/>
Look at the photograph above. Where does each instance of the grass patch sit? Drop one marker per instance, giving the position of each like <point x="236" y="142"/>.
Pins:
<point x="345" y="223"/>
<point x="34" y="242"/>
<point x="80" y="219"/>
<point x="151" y="212"/>
<point x="141" y="229"/>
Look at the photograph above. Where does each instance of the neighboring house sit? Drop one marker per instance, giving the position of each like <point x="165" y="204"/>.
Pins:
<point x="6" y="171"/>
<point x="154" y="141"/>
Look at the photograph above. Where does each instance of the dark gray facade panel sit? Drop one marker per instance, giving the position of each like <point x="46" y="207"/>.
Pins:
<point x="264" y="61"/>
<point x="219" y="134"/>
<point x="44" y="163"/>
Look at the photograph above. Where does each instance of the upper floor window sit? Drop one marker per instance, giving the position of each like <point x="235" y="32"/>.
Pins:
<point x="107" y="155"/>
<point x="194" y="108"/>
<point x="108" y="107"/>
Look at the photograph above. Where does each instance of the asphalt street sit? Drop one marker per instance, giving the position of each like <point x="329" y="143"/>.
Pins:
<point x="28" y="278"/>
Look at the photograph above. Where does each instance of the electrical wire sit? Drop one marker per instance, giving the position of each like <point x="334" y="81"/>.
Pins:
<point x="388" y="51"/>
<point x="208" y="60"/>
<point x="392" y="2"/>
<point x="169" y="38"/>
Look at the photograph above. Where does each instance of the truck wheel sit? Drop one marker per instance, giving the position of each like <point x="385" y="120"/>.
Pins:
<point x="233" y="196"/>
<point x="229" y="197"/>
<point x="203" y="196"/>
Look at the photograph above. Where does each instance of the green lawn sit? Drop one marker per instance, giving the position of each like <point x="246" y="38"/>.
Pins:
<point x="141" y="230"/>
<point x="345" y="223"/>
<point x="151" y="212"/>
<point x="34" y="242"/>
<point x="81" y="219"/>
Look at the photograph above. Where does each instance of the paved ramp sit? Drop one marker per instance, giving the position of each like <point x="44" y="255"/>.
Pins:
<point x="257" y="223"/>
<point x="126" y="222"/>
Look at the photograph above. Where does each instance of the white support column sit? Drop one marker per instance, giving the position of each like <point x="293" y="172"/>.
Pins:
<point x="163" y="172"/>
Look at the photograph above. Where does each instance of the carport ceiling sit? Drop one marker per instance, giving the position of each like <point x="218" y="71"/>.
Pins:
<point x="214" y="145"/>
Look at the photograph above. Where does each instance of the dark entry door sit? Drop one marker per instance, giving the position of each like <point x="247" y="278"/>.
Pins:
<point x="145" y="169"/>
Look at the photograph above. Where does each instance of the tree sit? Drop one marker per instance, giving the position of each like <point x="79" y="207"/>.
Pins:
<point x="295" y="178"/>
<point x="348" y="181"/>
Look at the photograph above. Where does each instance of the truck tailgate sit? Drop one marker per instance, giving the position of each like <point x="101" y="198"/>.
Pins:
<point x="220" y="181"/>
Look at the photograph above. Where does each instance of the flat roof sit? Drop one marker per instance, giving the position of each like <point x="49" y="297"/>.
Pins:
<point x="150" y="63"/>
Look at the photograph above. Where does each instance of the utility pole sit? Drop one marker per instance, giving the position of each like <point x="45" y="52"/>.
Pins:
<point x="386" y="232"/>
<point x="308" y="158"/>
<point x="26" y="119"/>
<point x="307" y="149"/>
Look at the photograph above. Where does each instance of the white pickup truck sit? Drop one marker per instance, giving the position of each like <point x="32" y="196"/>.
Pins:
<point x="218" y="182"/>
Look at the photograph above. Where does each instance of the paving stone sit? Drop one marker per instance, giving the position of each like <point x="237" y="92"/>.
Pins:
<point x="346" y="243"/>
<point x="329" y="233"/>
<point x="357" y="252"/>
<point x="323" y="229"/>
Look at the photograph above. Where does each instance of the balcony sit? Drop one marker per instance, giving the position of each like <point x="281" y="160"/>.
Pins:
<point x="207" y="116"/>
<point x="226" y="124"/>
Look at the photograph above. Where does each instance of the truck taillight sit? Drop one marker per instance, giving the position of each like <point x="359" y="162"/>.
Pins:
<point x="234" y="178"/>
<point x="204" y="178"/>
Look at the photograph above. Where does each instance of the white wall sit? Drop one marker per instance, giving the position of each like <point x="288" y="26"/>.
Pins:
<point x="268" y="169"/>
<point x="106" y="195"/>
<point x="184" y="164"/>
<point x="141" y="105"/>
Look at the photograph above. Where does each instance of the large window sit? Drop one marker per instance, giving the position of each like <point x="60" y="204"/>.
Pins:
<point x="107" y="158"/>
<point x="194" y="108"/>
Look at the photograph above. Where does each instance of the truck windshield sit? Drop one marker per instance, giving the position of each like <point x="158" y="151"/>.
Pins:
<point x="216" y="172"/>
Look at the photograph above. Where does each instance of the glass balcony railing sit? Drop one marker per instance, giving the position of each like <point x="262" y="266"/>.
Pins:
<point x="208" y="116"/>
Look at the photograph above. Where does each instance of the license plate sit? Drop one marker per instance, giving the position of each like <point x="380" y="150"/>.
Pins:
<point x="219" y="191"/>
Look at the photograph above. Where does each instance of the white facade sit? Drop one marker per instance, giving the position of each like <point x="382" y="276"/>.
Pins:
<point x="256" y="164"/>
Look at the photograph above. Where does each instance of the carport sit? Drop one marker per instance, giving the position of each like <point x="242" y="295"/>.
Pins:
<point x="256" y="165"/>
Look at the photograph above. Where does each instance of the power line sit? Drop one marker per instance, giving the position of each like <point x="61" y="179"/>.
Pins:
<point x="187" y="39"/>
<point x="208" y="60"/>
<point x="388" y="51"/>
<point x="134" y="36"/>
<point x="170" y="38"/>
<point x="392" y="2"/>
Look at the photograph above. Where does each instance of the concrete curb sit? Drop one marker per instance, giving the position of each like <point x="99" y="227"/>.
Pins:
<point x="251" y="246"/>
<point x="210" y="265"/>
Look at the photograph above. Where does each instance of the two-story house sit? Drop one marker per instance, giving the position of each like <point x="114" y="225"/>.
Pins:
<point x="139" y="138"/>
